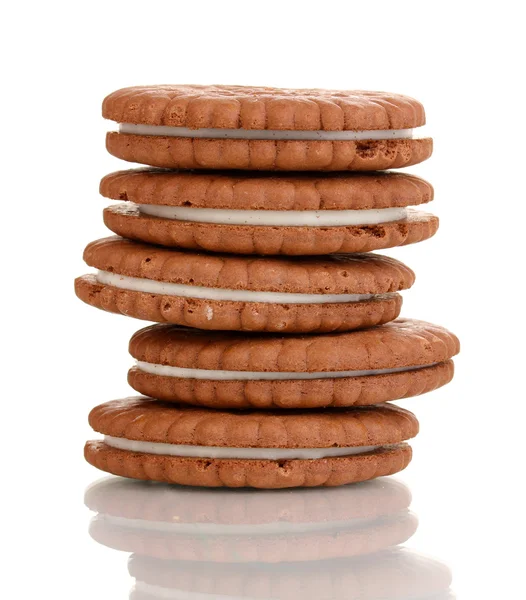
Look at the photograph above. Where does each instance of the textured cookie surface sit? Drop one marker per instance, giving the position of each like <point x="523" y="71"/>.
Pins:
<point x="362" y="274"/>
<point x="232" y="107"/>
<point x="238" y="316"/>
<point x="278" y="191"/>
<point x="149" y="420"/>
<point x="339" y="274"/>
<point x="235" y="107"/>
<point x="289" y="192"/>
<point x="263" y="474"/>
<point x="129" y="222"/>
<point x="292" y="394"/>
<point x="402" y="343"/>
<point x="268" y="155"/>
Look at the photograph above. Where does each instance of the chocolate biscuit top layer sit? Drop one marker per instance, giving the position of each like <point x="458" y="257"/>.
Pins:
<point x="401" y="343"/>
<point x="334" y="274"/>
<point x="144" y="419"/>
<point x="277" y="191"/>
<point x="238" y="107"/>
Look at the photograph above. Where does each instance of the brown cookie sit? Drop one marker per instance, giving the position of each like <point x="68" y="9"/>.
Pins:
<point x="246" y="525"/>
<point x="227" y="370"/>
<point x="226" y="292"/>
<point x="396" y="573"/>
<point x="234" y="127"/>
<point x="263" y="192"/>
<point x="157" y="441"/>
<point x="291" y="214"/>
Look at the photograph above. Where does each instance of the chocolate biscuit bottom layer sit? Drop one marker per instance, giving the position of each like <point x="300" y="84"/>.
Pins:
<point x="268" y="155"/>
<point x="265" y="474"/>
<point x="130" y="222"/>
<point x="238" y="316"/>
<point x="298" y="393"/>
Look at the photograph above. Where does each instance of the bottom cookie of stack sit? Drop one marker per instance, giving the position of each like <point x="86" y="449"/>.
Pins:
<point x="158" y="441"/>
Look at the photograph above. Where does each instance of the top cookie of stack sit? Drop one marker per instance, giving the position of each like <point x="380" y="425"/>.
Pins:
<point x="234" y="127"/>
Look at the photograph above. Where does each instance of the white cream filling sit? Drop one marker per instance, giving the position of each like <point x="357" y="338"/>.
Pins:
<point x="217" y="375"/>
<point x="149" y="286"/>
<point x="265" y="134"/>
<point x="280" y="218"/>
<point x="187" y="450"/>
<point x="213" y="529"/>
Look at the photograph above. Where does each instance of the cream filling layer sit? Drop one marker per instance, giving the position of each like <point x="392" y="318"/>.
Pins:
<point x="187" y="450"/>
<point x="213" y="529"/>
<point x="265" y="134"/>
<point x="217" y="375"/>
<point x="279" y="218"/>
<point x="149" y="286"/>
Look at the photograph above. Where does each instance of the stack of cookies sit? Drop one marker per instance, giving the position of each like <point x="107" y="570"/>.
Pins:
<point x="250" y="240"/>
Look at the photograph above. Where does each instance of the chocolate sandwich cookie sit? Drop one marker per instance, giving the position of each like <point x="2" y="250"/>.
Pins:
<point x="394" y="574"/>
<point x="226" y="292"/>
<point x="228" y="370"/>
<point x="250" y="213"/>
<point x="241" y="526"/>
<point x="260" y="128"/>
<point x="153" y="440"/>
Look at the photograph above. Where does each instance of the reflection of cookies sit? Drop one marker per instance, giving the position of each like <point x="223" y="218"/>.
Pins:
<point x="207" y="512"/>
<point x="228" y="370"/>
<point x="234" y="127"/>
<point x="295" y="294"/>
<point x="148" y="439"/>
<point x="249" y="525"/>
<point x="250" y="213"/>
<point x="396" y="574"/>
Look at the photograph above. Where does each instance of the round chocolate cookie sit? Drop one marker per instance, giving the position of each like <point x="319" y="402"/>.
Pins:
<point x="261" y="128"/>
<point x="251" y="213"/>
<point x="393" y="574"/>
<point x="224" y="525"/>
<point x="243" y="293"/>
<point x="159" y="441"/>
<point x="227" y="370"/>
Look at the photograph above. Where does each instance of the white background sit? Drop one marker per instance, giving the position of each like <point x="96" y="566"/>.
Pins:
<point x="463" y="60"/>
